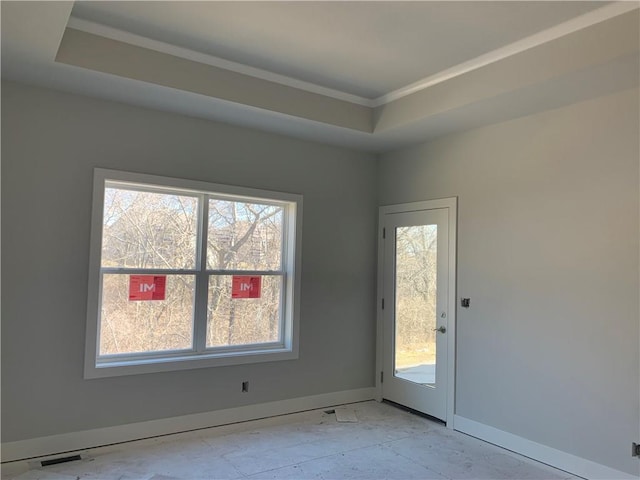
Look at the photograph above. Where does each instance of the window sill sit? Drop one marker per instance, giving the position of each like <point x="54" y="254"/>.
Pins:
<point x="186" y="362"/>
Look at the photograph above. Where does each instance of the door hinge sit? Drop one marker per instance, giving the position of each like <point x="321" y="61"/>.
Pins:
<point x="384" y="233"/>
<point x="635" y="449"/>
<point x="383" y="303"/>
<point x="382" y="380"/>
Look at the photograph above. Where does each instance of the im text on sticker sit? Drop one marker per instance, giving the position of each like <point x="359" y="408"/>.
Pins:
<point x="147" y="287"/>
<point x="246" y="286"/>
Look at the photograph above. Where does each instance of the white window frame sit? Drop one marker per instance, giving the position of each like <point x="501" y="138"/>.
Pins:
<point x="199" y="356"/>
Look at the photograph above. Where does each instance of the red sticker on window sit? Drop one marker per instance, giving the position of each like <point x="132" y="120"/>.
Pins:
<point x="245" y="286"/>
<point x="147" y="287"/>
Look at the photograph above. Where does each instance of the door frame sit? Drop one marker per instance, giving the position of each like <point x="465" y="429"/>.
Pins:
<point x="452" y="205"/>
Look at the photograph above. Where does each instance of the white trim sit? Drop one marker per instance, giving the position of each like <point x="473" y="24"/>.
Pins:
<point x="78" y="441"/>
<point x="379" y="311"/>
<point x="556" y="458"/>
<point x="451" y="204"/>
<point x="417" y="206"/>
<point x="570" y="26"/>
<point x="188" y="54"/>
<point x="191" y="358"/>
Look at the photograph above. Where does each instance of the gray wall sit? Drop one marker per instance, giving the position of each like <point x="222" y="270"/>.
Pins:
<point x="548" y="252"/>
<point x="50" y="144"/>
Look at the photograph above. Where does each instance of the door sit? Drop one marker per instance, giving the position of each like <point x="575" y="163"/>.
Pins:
<point x="417" y="310"/>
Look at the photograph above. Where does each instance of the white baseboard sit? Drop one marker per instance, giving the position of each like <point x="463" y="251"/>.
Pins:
<point x="555" y="458"/>
<point x="83" y="440"/>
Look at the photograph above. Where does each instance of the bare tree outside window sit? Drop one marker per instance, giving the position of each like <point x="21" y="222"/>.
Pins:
<point x="147" y="230"/>
<point x="153" y="230"/>
<point x="416" y="288"/>
<point x="243" y="236"/>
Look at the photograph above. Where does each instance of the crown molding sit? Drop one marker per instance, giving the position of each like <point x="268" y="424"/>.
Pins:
<point x="570" y="26"/>
<point x="578" y="23"/>
<point x="188" y="54"/>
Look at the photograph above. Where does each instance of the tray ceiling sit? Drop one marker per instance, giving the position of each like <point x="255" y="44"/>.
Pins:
<point x="368" y="75"/>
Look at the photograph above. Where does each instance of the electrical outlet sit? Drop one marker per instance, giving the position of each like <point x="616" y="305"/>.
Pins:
<point x="245" y="387"/>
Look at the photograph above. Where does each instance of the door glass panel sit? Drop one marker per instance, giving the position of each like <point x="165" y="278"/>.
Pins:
<point x="415" y="308"/>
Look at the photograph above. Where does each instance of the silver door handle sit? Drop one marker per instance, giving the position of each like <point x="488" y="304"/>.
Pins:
<point x="442" y="329"/>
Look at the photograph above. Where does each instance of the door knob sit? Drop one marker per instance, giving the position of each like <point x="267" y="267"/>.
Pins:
<point x="440" y="329"/>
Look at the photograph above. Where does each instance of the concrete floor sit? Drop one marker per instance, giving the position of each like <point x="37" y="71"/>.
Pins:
<point x="385" y="443"/>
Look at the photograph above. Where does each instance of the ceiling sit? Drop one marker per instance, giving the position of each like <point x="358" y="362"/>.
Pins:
<point x="367" y="75"/>
<point x="366" y="50"/>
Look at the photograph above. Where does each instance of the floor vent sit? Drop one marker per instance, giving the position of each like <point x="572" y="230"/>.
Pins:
<point x="55" y="461"/>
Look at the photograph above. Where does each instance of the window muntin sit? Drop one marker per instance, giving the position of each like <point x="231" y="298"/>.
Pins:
<point x="196" y="240"/>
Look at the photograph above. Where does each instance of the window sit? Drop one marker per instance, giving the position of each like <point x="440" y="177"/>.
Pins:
<point x="186" y="274"/>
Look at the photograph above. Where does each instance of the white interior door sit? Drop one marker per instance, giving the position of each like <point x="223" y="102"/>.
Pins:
<point x="417" y="307"/>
